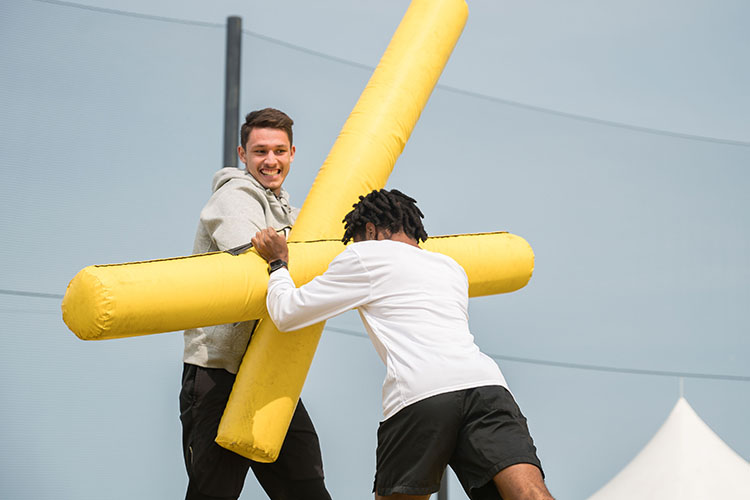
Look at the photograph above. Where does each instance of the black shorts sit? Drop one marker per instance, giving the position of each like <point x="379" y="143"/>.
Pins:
<point x="217" y="473"/>
<point x="478" y="432"/>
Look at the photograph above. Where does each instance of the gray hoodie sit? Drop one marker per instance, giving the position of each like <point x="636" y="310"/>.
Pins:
<point x="238" y="208"/>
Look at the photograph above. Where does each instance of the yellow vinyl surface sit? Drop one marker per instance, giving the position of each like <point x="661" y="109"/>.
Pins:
<point x="361" y="160"/>
<point x="139" y="298"/>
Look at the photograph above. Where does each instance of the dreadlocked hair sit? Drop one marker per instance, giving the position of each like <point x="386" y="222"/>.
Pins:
<point x="391" y="210"/>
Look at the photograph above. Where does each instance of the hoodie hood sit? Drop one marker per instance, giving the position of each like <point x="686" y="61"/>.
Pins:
<point x="226" y="174"/>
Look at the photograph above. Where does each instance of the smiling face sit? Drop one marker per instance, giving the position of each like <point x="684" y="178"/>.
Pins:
<point x="267" y="157"/>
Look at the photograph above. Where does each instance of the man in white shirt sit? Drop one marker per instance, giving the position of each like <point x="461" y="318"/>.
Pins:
<point x="444" y="401"/>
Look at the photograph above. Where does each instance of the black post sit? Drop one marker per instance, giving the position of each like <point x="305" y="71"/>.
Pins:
<point x="443" y="493"/>
<point x="232" y="91"/>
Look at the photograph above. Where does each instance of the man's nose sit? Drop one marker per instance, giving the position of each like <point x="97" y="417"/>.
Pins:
<point x="271" y="158"/>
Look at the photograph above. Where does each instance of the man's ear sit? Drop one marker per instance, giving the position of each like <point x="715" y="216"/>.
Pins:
<point x="370" y="231"/>
<point x="241" y="154"/>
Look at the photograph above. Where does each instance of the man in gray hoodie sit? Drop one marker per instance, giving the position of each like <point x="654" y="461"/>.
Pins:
<point x="243" y="202"/>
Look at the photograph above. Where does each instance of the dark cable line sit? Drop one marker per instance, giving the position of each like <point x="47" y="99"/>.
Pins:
<point x="454" y="90"/>
<point x="21" y="293"/>
<point x="496" y="357"/>
<point x="581" y="366"/>
<point x="632" y="371"/>
<point x="517" y="104"/>
<point x="446" y="88"/>
<point x="28" y="311"/>
<point x="312" y="52"/>
<point x="126" y="13"/>
<point x="593" y="120"/>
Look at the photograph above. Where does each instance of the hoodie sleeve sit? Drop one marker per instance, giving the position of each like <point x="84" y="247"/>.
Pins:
<point x="233" y="215"/>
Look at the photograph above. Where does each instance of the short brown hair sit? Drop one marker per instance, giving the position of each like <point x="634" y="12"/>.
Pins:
<point x="266" y="118"/>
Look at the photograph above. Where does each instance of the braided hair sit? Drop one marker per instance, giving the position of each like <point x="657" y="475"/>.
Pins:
<point x="391" y="210"/>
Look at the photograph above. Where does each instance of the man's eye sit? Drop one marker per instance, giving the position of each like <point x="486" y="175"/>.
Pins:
<point x="280" y="151"/>
<point x="259" y="151"/>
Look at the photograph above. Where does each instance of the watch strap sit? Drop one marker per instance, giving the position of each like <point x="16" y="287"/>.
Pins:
<point x="275" y="265"/>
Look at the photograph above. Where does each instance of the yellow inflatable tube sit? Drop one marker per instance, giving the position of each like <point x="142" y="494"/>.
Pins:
<point x="494" y="262"/>
<point x="140" y="298"/>
<point x="274" y="368"/>
<point x="275" y="365"/>
<point x="381" y="122"/>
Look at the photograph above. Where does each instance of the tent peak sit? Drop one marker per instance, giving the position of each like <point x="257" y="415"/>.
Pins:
<point x="684" y="460"/>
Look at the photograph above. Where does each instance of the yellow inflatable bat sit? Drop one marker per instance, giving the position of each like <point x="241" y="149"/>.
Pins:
<point x="275" y="365"/>
<point x="140" y="298"/>
<point x="123" y="300"/>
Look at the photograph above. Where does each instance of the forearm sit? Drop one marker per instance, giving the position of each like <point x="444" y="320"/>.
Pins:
<point x="284" y="313"/>
<point x="342" y="287"/>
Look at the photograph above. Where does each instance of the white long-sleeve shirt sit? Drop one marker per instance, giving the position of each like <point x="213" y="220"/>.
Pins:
<point x="414" y="304"/>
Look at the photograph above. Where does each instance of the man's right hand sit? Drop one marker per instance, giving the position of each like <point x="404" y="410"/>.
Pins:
<point x="271" y="245"/>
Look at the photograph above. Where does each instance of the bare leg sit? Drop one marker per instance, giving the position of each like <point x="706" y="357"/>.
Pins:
<point x="521" y="482"/>
<point x="399" y="496"/>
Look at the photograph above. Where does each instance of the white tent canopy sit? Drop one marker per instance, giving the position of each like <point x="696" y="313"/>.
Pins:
<point x="684" y="460"/>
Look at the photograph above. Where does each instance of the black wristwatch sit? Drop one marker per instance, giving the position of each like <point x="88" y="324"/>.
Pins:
<point x="275" y="265"/>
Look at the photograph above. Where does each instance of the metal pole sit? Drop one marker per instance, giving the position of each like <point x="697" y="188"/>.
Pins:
<point x="232" y="91"/>
<point x="443" y="493"/>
